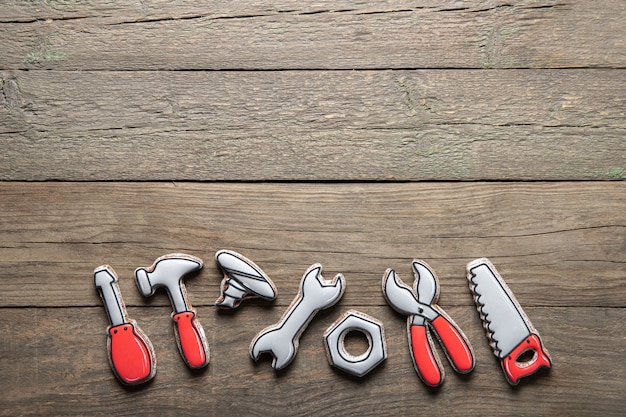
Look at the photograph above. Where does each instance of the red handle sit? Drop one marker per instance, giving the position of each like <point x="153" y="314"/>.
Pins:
<point x="456" y="345"/>
<point x="191" y="339"/>
<point x="515" y="370"/>
<point x="426" y="364"/>
<point x="131" y="354"/>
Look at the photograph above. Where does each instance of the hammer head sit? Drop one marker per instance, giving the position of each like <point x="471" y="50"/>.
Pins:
<point x="168" y="272"/>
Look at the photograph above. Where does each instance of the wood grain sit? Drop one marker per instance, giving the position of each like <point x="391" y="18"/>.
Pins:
<point x="557" y="244"/>
<point x="314" y="125"/>
<point x="308" y="34"/>
<point x="356" y="134"/>
<point x="60" y="355"/>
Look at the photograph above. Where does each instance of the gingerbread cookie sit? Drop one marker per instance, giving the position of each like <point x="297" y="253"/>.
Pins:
<point x="510" y="333"/>
<point x="339" y="357"/>
<point x="282" y="339"/>
<point x="168" y="272"/>
<point x="425" y="317"/>
<point x="242" y="279"/>
<point x="131" y="354"/>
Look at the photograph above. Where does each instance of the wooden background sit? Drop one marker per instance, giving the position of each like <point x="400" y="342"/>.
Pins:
<point x="356" y="134"/>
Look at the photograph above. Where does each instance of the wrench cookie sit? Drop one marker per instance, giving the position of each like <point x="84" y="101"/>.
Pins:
<point x="281" y="340"/>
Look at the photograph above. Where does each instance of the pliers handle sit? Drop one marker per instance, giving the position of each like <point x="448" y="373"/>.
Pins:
<point x="454" y="343"/>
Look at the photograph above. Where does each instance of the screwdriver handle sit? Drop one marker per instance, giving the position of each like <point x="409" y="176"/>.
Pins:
<point x="131" y="354"/>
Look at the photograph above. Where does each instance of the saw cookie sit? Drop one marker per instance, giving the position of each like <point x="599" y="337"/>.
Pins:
<point x="510" y="332"/>
<point x="168" y="272"/>
<point x="131" y="354"/>
<point x="242" y="279"/>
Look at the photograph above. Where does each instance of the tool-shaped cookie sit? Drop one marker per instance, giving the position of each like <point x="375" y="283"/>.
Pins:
<point x="131" y="354"/>
<point x="425" y="316"/>
<point x="168" y="272"/>
<point x="242" y="279"/>
<point x="509" y="331"/>
<point x="282" y="338"/>
<point x="371" y="328"/>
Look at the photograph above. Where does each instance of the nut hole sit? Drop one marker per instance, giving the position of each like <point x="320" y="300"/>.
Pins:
<point x="356" y="342"/>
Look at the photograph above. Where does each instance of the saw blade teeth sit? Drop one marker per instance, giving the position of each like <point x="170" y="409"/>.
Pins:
<point x="484" y="317"/>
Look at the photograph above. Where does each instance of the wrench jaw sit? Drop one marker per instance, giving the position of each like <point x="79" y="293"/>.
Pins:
<point x="283" y="353"/>
<point x="326" y="292"/>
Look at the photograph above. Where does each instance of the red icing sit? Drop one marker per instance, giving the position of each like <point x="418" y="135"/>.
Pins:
<point x="458" y="351"/>
<point x="425" y="363"/>
<point x="191" y="342"/>
<point x="514" y="370"/>
<point x="130" y="356"/>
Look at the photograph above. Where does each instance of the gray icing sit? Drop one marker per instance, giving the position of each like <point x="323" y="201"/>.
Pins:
<point x="334" y="338"/>
<point x="242" y="279"/>
<point x="168" y="272"/>
<point x="502" y="317"/>
<point x="106" y="280"/>
<point x="281" y="340"/>
<point x="425" y="283"/>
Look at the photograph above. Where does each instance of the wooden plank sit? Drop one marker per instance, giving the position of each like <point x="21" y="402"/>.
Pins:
<point x="54" y="362"/>
<point x="556" y="244"/>
<point x="305" y="35"/>
<point x="83" y="97"/>
<point x="314" y="125"/>
<point x="131" y="11"/>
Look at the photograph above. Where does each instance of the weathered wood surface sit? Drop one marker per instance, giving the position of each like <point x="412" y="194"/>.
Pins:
<point x="54" y="363"/>
<point x="559" y="245"/>
<point x="314" y="125"/>
<point x="336" y="101"/>
<point x="309" y="34"/>
<point x="562" y="243"/>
